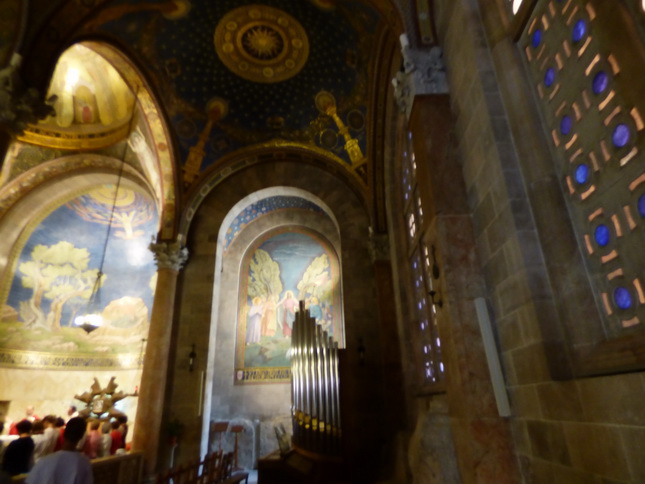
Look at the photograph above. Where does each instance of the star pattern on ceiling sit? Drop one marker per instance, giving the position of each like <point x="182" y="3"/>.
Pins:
<point x="189" y="73"/>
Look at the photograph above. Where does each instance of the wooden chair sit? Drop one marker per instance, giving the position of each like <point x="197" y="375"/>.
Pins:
<point x="227" y="475"/>
<point x="211" y="468"/>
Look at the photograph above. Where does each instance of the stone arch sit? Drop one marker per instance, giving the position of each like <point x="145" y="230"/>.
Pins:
<point x="233" y="164"/>
<point x="347" y="207"/>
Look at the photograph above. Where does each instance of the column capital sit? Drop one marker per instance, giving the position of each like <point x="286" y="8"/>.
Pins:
<point x="423" y="73"/>
<point x="169" y="254"/>
<point x="20" y="105"/>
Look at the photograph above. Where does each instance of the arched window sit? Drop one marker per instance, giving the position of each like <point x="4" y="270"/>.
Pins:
<point x="424" y="299"/>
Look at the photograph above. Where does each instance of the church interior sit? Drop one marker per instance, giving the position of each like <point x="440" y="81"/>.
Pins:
<point x="451" y="188"/>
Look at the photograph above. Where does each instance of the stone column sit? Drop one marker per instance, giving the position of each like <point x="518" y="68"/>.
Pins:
<point x="170" y="258"/>
<point x="483" y="442"/>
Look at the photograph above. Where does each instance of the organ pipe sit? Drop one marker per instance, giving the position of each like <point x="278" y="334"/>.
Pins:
<point x="315" y="394"/>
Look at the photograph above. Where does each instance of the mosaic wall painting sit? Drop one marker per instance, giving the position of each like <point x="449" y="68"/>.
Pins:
<point x="56" y="270"/>
<point x="280" y="271"/>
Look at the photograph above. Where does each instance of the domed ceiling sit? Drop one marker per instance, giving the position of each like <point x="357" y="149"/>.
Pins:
<point x="93" y="104"/>
<point x="235" y="74"/>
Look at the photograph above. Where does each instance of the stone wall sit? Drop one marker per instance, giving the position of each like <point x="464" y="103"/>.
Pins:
<point x="573" y="430"/>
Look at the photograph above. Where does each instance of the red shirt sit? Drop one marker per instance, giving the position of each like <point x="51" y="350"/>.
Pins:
<point x="59" y="442"/>
<point x="116" y="441"/>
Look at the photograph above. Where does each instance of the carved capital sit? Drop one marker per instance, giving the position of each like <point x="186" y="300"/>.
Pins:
<point x="169" y="255"/>
<point x="423" y="73"/>
<point x="20" y="105"/>
<point x="379" y="247"/>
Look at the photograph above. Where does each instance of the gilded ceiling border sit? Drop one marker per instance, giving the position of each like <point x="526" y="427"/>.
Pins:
<point x="65" y="361"/>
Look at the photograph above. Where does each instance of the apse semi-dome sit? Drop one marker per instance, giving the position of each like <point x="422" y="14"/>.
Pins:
<point x="93" y="104"/>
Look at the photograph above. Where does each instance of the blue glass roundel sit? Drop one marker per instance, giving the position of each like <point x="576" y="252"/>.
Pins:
<point x="621" y="135"/>
<point x="602" y="235"/>
<point x="623" y="298"/>
<point x="641" y="205"/>
<point x="579" y="30"/>
<point x="536" y="38"/>
<point x="600" y="82"/>
<point x="566" y="124"/>
<point x="549" y="77"/>
<point x="582" y="174"/>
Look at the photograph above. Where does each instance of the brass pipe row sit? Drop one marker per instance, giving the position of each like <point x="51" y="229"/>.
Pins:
<point x="314" y="387"/>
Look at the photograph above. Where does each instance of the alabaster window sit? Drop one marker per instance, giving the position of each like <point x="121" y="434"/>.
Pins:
<point x="592" y="108"/>
<point x="430" y="368"/>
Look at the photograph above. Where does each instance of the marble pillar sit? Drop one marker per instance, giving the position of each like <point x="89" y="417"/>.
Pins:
<point x="483" y="442"/>
<point x="170" y="258"/>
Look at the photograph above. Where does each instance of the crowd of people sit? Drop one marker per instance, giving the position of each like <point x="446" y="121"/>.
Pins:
<point x="40" y="446"/>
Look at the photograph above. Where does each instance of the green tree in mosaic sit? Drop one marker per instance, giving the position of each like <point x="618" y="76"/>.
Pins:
<point x="58" y="273"/>
<point x="264" y="276"/>
<point x="316" y="281"/>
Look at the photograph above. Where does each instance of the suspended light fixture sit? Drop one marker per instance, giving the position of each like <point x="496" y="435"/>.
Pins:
<point x="92" y="319"/>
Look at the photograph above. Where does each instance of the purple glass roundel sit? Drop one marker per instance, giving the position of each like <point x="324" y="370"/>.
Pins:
<point x="621" y="135"/>
<point x="600" y="82"/>
<point x="566" y="123"/>
<point x="536" y="38"/>
<point x="623" y="298"/>
<point x="579" y="30"/>
<point x="602" y="235"/>
<point x="641" y="205"/>
<point x="582" y="174"/>
<point x="549" y="77"/>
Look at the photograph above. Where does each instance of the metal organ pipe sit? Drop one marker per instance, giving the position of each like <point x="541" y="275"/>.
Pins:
<point x="314" y="387"/>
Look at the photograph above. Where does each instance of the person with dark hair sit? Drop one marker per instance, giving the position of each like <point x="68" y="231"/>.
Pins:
<point x="67" y="466"/>
<point x="18" y="458"/>
<point x="123" y="428"/>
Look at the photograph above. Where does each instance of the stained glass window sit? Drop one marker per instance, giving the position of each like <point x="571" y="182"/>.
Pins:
<point x="596" y="126"/>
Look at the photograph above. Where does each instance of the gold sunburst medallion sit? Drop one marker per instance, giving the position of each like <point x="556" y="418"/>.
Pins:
<point x="261" y="44"/>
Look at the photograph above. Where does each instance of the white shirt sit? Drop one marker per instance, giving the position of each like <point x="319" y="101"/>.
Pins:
<point x="106" y="445"/>
<point x="62" y="467"/>
<point x="44" y="443"/>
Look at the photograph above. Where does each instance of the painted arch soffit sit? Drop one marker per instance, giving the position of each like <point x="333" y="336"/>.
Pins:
<point x="266" y="201"/>
<point x="158" y="145"/>
<point x="277" y="152"/>
<point x="78" y="169"/>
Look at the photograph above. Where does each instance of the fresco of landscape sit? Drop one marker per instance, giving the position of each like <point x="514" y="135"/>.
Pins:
<point x="284" y="269"/>
<point x="56" y="271"/>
